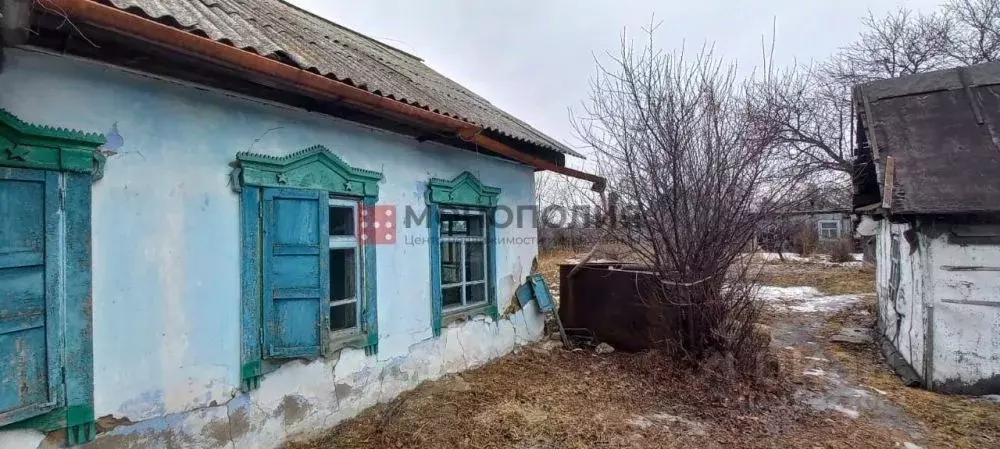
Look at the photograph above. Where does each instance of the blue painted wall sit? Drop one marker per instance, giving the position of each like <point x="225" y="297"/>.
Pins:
<point x="166" y="236"/>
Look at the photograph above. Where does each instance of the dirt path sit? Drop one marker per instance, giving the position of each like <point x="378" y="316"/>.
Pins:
<point x="802" y="331"/>
<point x="852" y="379"/>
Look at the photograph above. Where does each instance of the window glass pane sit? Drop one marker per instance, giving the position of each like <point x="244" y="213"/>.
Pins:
<point x="829" y="225"/>
<point x="342" y="220"/>
<point x="475" y="225"/>
<point x="475" y="262"/>
<point x="344" y="316"/>
<point x="475" y="293"/>
<point x="451" y="296"/>
<point x="461" y="225"/>
<point x="343" y="274"/>
<point x="451" y="260"/>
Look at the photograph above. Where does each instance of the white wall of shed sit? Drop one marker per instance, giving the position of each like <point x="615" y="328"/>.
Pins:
<point x="965" y="290"/>
<point x="901" y="312"/>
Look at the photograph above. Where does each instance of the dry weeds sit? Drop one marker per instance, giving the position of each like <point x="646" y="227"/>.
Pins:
<point x="832" y="280"/>
<point x="549" y="261"/>
<point x="541" y="398"/>
<point x="559" y="399"/>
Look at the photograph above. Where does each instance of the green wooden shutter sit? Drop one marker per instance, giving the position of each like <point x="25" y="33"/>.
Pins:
<point x="30" y="370"/>
<point x="296" y="287"/>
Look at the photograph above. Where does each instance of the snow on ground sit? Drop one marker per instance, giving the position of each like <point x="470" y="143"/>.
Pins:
<point x="822" y="259"/>
<point x="792" y="257"/>
<point x="804" y="299"/>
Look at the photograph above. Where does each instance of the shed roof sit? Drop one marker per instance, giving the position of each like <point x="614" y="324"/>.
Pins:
<point x="942" y="130"/>
<point x="294" y="36"/>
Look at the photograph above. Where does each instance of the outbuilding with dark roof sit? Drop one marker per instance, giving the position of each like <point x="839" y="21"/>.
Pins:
<point x="927" y="184"/>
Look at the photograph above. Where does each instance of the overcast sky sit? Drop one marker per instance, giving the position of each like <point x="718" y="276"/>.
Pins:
<point x="534" y="58"/>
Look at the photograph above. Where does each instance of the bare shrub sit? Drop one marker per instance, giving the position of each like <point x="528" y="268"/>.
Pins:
<point x="806" y="240"/>
<point x="696" y="178"/>
<point x="843" y="250"/>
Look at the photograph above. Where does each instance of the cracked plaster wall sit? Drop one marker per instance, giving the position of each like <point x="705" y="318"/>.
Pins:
<point x="951" y="288"/>
<point x="901" y="310"/>
<point x="964" y="287"/>
<point x="166" y="262"/>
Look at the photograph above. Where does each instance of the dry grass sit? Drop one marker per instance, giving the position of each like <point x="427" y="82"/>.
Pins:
<point x="559" y="399"/>
<point x="550" y="398"/>
<point x="548" y="263"/>
<point x="832" y="280"/>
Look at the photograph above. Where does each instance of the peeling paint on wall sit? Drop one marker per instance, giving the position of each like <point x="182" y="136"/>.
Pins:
<point x="944" y="317"/>
<point x="166" y="268"/>
<point x="302" y="399"/>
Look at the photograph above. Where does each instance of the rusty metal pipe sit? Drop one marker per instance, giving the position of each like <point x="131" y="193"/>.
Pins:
<point x="317" y="85"/>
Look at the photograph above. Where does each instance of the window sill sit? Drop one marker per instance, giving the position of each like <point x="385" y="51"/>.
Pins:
<point x="466" y="313"/>
<point x="340" y="341"/>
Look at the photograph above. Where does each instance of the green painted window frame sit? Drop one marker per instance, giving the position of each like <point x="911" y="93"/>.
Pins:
<point x="464" y="192"/>
<point x="314" y="168"/>
<point x="76" y="158"/>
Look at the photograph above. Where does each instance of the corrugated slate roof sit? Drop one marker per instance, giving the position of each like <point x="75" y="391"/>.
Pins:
<point x="277" y="29"/>
<point x="942" y="130"/>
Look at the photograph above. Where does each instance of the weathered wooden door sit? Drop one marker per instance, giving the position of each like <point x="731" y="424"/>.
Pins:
<point x="30" y="369"/>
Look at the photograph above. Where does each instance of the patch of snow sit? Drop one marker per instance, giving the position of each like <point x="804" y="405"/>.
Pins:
<point x="858" y="393"/>
<point x="820" y="259"/>
<point x="575" y="261"/>
<point x="791" y="257"/>
<point x="814" y="372"/>
<point x="825" y="303"/>
<point x="995" y="398"/>
<point x="909" y="445"/>
<point x="817" y="359"/>
<point x="768" y="293"/>
<point x="850" y="413"/>
<point x="805" y="299"/>
<point x="639" y="421"/>
<point x="883" y="393"/>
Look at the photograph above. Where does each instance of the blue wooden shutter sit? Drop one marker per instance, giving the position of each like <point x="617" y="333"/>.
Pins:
<point x="296" y="274"/>
<point x="30" y="370"/>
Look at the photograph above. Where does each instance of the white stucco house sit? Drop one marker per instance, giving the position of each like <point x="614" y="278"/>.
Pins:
<point x="231" y="223"/>
<point x="926" y="180"/>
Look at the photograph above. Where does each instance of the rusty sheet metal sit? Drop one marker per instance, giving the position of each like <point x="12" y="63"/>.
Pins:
<point x="296" y="37"/>
<point x="608" y="302"/>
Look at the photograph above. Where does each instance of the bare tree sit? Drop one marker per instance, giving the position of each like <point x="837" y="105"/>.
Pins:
<point x="897" y="44"/>
<point x="695" y="175"/>
<point x="973" y="32"/>
<point x="811" y="106"/>
<point x="811" y="112"/>
<point x="565" y="212"/>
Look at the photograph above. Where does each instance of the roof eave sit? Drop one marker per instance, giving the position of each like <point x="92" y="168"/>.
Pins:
<point x="313" y="84"/>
